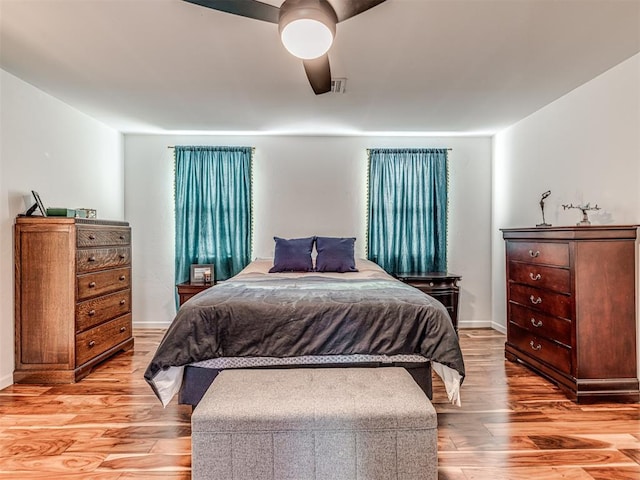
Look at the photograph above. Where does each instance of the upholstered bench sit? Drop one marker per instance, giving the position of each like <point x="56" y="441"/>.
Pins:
<point x="314" y="423"/>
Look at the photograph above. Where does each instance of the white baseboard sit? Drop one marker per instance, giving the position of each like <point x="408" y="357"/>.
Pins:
<point x="474" y="324"/>
<point x="6" y="381"/>
<point x="151" y="324"/>
<point x="481" y="324"/>
<point x="499" y="327"/>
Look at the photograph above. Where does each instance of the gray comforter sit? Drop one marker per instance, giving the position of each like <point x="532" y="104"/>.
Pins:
<point x="284" y="317"/>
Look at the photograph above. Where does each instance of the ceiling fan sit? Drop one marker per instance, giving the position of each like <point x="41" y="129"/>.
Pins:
<point x="306" y="27"/>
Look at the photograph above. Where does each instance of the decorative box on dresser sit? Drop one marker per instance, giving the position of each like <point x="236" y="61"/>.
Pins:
<point x="571" y="308"/>
<point x="72" y="296"/>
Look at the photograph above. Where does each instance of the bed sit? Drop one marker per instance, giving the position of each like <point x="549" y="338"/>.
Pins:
<point x="259" y="319"/>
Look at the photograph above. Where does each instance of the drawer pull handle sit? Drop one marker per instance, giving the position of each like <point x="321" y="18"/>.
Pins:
<point x="534" y="346"/>
<point x="536" y="323"/>
<point x="92" y="313"/>
<point x="535" y="301"/>
<point x="92" y="285"/>
<point x="533" y="254"/>
<point x="92" y="344"/>
<point x="535" y="277"/>
<point x="121" y="237"/>
<point x="122" y="302"/>
<point x="123" y="329"/>
<point x="122" y="277"/>
<point x="92" y="258"/>
<point x="92" y="237"/>
<point x="122" y="256"/>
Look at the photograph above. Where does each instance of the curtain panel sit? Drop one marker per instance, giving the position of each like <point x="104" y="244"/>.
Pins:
<point x="407" y="230"/>
<point x="212" y="209"/>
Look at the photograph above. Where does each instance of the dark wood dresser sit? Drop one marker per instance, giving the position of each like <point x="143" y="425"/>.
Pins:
<point x="72" y="296"/>
<point x="442" y="286"/>
<point x="571" y="308"/>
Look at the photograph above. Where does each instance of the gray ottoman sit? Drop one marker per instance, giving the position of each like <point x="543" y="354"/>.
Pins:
<point x="314" y="423"/>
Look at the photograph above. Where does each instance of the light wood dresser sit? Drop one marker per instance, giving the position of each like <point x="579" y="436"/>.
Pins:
<point x="571" y="308"/>
<point x="72" y="296"/>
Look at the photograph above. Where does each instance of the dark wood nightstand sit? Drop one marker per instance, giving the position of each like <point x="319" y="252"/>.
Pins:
<point x="187" y="290"/>
<point x="442" y="286"/>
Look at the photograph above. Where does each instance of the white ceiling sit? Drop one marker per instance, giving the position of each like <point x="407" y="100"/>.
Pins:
<point x="445" y="66"/>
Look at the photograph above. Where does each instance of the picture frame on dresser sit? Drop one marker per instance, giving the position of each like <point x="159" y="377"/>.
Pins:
<point x="38" y="205"/>
<point x="202" y="273"/>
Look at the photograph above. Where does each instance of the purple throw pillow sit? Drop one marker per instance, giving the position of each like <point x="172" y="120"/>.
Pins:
<point x="335" y="254"/>
<point x="293" y="255"/>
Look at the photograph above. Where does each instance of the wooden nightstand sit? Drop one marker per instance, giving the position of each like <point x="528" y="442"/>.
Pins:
<point x="187" y="290"/>
<point x="442" y="286"/>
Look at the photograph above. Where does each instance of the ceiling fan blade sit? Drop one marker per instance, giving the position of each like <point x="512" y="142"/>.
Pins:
<point x="349" y="8"/>
<point x="244" y="8"/>
<point x="319" y="74"/>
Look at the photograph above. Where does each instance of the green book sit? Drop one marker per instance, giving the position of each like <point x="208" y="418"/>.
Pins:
<point x="61" y="212"/>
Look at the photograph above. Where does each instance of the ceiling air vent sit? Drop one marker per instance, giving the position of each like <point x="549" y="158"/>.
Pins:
<point x="338" y="85"/>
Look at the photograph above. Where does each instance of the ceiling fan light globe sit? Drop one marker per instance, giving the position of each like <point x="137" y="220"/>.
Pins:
<point x="306" y="38"/>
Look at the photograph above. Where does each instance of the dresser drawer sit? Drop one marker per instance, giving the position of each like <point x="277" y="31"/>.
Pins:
<point x="558" y="279"/>
<point x="100" y="258"/>
<point x="547" y="253"/>
<point x="98" y="340"/>
<point x="96" y="311"/>
<point x="555" y="304"/>
<point x="93" y="284"/>
<point x="91" y="236"/>
<point x="552" y="328"/>
<point x="545" y="350"/>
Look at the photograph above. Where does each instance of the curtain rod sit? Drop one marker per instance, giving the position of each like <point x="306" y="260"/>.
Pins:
<point x="412" y="148"/>
<point x="172" y="146"/>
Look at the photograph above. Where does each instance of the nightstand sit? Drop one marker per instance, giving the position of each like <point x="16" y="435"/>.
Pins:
<point x="187" y="290"/>
<point x="442" y="286"/>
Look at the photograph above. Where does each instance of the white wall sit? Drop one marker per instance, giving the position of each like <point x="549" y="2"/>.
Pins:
<point x="304" y="186"/>
<point x="66" y="156"/>
<point x="584" y="147"/>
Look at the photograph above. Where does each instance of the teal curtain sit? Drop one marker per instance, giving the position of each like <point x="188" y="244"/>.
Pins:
<point x="212" y="209"/>
<point x="407" y="229"/>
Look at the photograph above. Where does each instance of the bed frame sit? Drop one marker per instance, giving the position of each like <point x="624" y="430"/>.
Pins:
<point x="196" y="380"/>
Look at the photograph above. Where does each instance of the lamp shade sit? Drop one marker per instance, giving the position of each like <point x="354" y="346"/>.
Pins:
<point x="306" y="38"/>
<point x="307" y="28"/>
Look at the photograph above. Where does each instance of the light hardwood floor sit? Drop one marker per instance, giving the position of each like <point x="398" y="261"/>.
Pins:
<point x="512" y="425"/>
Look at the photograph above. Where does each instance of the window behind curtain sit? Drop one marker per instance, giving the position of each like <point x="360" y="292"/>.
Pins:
<point x="407" y="229"/>
<point x="212" y="209"/>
